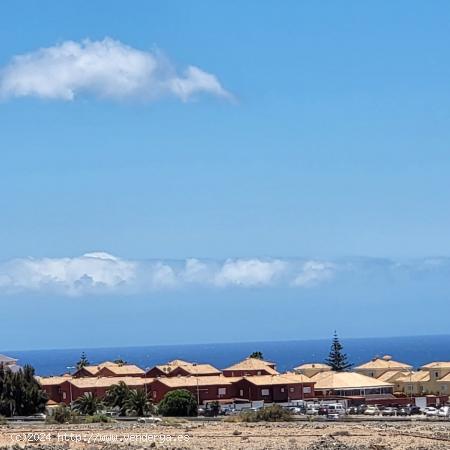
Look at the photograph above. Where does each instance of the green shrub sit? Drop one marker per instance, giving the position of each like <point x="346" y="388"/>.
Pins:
<point x="3" y="420"/>
<point x="178" y="403"/>
<point x="63" y="414"/>
<point x="274" y="413"/>
<point x="97" y="418"/>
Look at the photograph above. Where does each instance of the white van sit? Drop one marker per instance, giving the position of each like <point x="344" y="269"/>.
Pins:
<point x="444" y="411"/>
<point x="336" y="408"/>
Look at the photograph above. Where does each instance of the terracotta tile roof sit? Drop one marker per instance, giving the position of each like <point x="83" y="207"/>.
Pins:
<point x="445" y="379"/>
<point x="392" y="375"/>
<point x="415" y="377"/>
<point x="285" y="378"/>
<point x="437" y="365"/>
<point x="320" y="366"/>
<point x="346" y="380"/>
<point x="95" y="382"/>
<point x="180" y="382"/>
<point x="386" y="363"/>
<point x="253" y="364"/>
<point x="125" y="369"/>
<point x="53" y="381"/>
<point x="199" y="369"/>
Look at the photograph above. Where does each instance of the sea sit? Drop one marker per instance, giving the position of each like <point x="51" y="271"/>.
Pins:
<point x="415" y="350"/>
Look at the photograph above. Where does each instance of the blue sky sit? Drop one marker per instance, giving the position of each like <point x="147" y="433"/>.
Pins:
<point x="310" y="142"/>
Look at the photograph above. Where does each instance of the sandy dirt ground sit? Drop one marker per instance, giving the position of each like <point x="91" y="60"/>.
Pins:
<point x="229" y="436"/>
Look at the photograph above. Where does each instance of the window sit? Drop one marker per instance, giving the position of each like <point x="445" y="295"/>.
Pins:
<point x="281" y="389"/>
<point x="409" y="387"/>
<point x="241" y="392"/>
<point x="436" y="374"/>
<point x="307" y="390"/>
<point x="154" y="394"/>
<point x="222" y="391"/>
<point x="259" y="372"/>
<point x="291" y="389"/>
<point x="64" y="395"/>
<point x="265" y="392"/>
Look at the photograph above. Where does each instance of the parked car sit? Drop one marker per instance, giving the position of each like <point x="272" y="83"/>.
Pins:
<point x="312" y="410"/>
<point x="388" y="411"/>
<point x="444" y="411"/>
<point x="337" y="408"/>
<point x="352" y="410"/>
<point x="372" y="411"/>
<point x="150" y="419"/>
<point x="361" y="409"/>
<point x="413" y="410"/>
<point x="402" y="411"/>
<point x="295" y="409"/>
<point x="322" y="411"/>
<point x="430" y="411"/>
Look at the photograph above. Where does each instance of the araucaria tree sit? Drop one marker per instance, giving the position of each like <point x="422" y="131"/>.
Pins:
<point x="337" y="359"/>
<point x="83" y="362"/>
<point x="20" y="393"/>
<point x="256" y="355"/>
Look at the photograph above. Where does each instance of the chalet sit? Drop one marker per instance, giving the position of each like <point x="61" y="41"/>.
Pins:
<point x="432" y="378"/>
<point x="125" y="370"/>
<point x="383" y="368"/>
<point x="74" y="388"/>
<point x="249" y="367"/>
<point x="312" y="369"/>
<point x="10" y="363"/>
<point x="347" y="384"/>
<point x="52" y="386"/>
<point x="204" y="388"/>
<point x="109" y="369"/>
<point x="92" y="370"/>
<point x="281" y="388"/>
<point x="179" y="367"/>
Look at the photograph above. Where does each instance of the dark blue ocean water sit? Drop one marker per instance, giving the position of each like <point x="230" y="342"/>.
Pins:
<point x="416" y="350"/>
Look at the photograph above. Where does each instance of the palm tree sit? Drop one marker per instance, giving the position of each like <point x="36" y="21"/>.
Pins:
<point x="88" y="404"/>
<point x="117" y="395"/>
<point x="138" y="403"/>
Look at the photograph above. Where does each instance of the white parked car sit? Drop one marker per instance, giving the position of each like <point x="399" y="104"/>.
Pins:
<point x="444" y="411"/>
<point x="336" y="408"/>
<point x="312" y="410"/>
<point x="372" y="411"/>
<point x="150" y="419"/>
<point x="429" y="411"/>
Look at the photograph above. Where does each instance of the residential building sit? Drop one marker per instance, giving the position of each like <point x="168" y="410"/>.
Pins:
<point x="10" y="363"/>
<point x="431" y="379"/>
<point x="311" y="369"/>
<point x="250" y="366"/>
<point x="380" y="366"/>
<point x="281" y="388"/>
<point x="204" y="388"/>
<point x="74" y="388"/>
<point x="349" y="384"/>
<point x="178" y="367"/>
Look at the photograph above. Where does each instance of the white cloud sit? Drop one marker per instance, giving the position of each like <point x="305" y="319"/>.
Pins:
<point x="106" y="69"/>
<point x="313" y="273"/>
<point x="102" y="273"/>
<point x="249" y="272"/>
<point x="90" y="272"/>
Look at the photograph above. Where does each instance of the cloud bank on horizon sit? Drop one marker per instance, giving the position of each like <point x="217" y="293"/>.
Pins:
<point x="102" y="273"/>
<point x="105" y="69"/>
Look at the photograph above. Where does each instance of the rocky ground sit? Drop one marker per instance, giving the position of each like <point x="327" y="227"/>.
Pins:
<point x="180" y="435"/>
